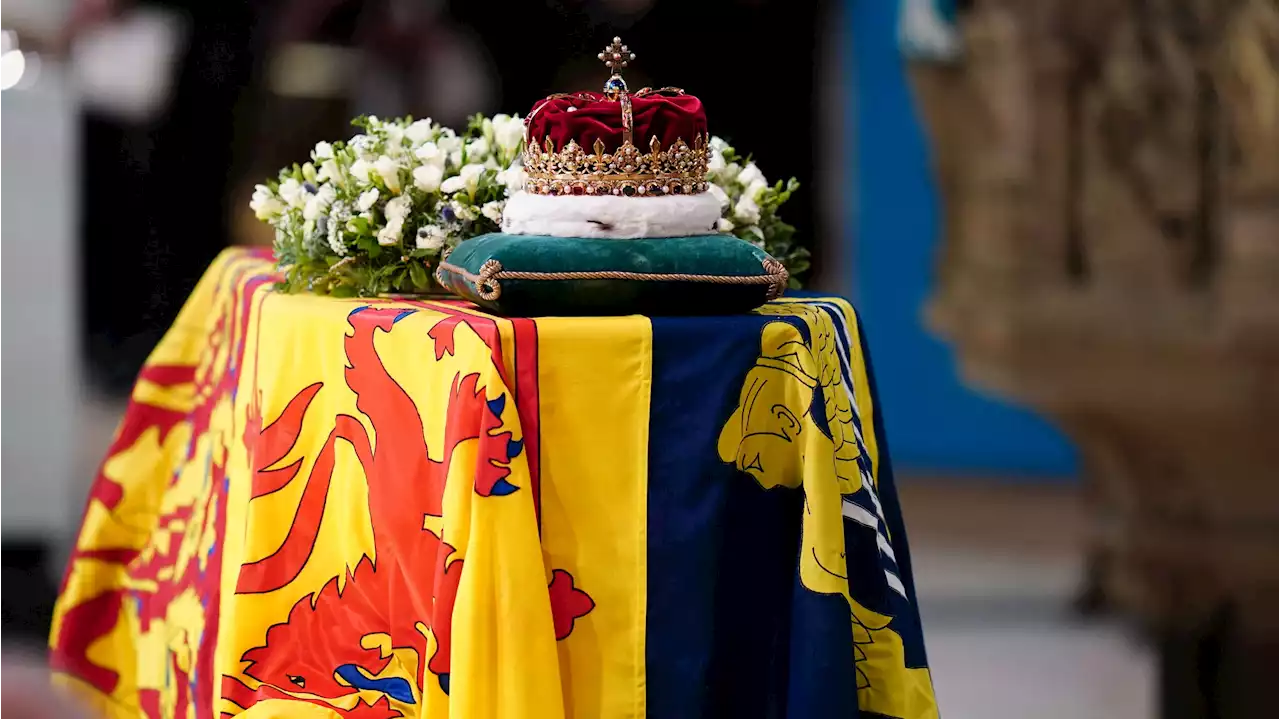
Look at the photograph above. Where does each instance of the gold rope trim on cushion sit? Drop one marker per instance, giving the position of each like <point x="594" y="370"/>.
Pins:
<point x="489" y="288"/>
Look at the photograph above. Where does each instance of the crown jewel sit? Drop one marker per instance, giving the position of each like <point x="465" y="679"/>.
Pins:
<point x="616" y="56"/>
<point x="594" y="143"/>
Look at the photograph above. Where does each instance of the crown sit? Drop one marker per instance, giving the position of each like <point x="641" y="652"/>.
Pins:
<point x="589" y="143"/>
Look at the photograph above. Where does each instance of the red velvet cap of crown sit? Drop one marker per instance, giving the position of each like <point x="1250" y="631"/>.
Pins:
<point x="585" y="117"/>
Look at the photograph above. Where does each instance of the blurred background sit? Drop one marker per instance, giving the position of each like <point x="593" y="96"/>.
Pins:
<point x="1058" y="220"/>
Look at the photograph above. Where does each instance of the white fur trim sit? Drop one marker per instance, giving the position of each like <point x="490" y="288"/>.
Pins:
<point x="610" y="216"/>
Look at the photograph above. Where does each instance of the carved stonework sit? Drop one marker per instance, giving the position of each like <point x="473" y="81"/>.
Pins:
<point x="1109" y="173"/>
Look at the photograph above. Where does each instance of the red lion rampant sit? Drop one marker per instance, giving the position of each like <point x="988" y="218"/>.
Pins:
<point x="318" y="650"/>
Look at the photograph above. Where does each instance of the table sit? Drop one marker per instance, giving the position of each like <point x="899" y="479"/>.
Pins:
<point x="351" y="508"/>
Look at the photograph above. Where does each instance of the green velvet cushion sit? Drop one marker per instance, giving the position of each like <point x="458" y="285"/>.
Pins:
<point x="729" y="275"/>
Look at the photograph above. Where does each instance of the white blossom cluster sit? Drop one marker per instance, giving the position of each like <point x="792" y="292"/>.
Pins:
<point x="738" y="187"/>
<point x="397" y="194"/>
<point x="749" y="204"/>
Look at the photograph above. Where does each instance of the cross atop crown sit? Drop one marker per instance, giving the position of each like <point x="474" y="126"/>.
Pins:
<point x="615" y="57"/>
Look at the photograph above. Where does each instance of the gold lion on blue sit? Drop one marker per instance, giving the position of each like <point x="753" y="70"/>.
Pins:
<point x="797" y="426"/>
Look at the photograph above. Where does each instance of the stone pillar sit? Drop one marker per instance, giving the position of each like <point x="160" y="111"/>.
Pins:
<point x="1110" y="186"/>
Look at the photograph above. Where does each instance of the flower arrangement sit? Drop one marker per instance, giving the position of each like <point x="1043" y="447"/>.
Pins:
<point x="749" y="207"/>
<point x="375" y="214"/>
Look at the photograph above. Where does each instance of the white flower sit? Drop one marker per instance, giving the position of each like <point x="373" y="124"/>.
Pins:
<point x="477" y="150"/>
<point x="453" y="184"/>
<point x="362" y="145"/>
<point x="448" y="141"/>
<point x="260" y="192"/>
<point x="493" y="210"/>
<point x="292" y="193"/>
<point x="468" y="178"/>
<point x="724" y="225"/>
<point x="397" y="208"/>
<point x="323" y="151"/>
<point x="746" y="211"/>
<point x="390" y="172"/>
<point x="718" y="146"/>
<point x="338" y="216"/>
<point x="265" y="205"/>
<point x="390" y="234"/>
<point x="367" y="199"/>
<point x="716" y="163"/>
<point x="318" y="204"/>
<point x="451" y="146"/>
<point x="750" y="175"/>
<point x="719" y="193"/>
<point x="431" y="154"/>
<point x="430" y="237"/>
<point x="755" y="188"/>
<point x="395" y="138"/>
<point x="419" y="132"/>
<point x="361" y="170"/>
<point x="513" y="177"/>
<point x="329" y="171"/>
<point x="508" y="131"/>
<point x="428" y="177"/>
<point x="470" y="175"/>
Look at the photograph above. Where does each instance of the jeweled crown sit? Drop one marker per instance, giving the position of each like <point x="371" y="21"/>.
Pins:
<point x="646" y="143"/>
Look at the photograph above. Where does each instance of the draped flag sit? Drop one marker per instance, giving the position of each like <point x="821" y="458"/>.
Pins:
<point x="343" y="508"/>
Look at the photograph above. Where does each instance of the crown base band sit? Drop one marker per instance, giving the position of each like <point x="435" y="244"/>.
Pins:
<point x="637" y="187"/>
<point x="628" y="172"/>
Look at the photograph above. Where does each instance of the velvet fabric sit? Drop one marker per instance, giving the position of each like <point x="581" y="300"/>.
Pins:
<point x="586" y="116"/>
<point x="700" y="255"/>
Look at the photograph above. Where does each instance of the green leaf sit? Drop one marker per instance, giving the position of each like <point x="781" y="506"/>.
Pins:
<point x="359" y="225"/>
<point x="797" y="266"/>
<point x="418" y="274"/>
<point x="781" y="233"/>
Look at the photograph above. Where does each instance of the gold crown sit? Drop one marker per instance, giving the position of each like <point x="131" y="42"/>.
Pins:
<point x="675" y="170"/>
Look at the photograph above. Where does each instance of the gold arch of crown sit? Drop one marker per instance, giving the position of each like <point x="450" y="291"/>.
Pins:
<point x="680" y="169"/>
